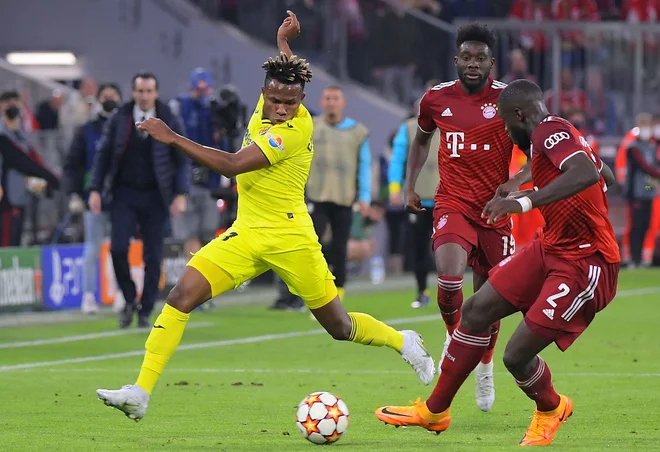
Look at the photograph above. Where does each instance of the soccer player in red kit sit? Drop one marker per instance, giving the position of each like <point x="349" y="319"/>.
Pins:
<point x="559" y="281"/>
<point x="473" y="160"/>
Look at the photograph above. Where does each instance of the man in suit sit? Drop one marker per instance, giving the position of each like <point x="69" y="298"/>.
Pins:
<point x="143" y="181"/>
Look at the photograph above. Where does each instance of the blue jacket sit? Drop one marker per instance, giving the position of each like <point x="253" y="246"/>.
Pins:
<point x="172" y="168"/>
<point x="197" y="120"/>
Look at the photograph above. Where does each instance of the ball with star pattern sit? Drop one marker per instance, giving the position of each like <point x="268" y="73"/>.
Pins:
<point x="322" y="418"/>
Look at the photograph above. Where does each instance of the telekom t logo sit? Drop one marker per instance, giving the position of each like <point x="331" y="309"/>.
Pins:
<point x="456" y="142"/>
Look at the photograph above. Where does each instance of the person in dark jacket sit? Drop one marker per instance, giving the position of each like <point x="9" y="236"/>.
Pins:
<point x="143" y="181"/>
<point x="77" y="173"/>
<point x="18" y="159"/>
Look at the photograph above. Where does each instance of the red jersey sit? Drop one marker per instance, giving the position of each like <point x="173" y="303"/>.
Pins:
<point x="576" y="227"/>
<point x="475" y="149"/>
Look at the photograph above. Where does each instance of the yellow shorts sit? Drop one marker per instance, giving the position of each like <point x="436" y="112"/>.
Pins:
<point x="244" y="253"/>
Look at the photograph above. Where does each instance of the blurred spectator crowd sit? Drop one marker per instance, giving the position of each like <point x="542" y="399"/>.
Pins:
<point x="594" y="74"/>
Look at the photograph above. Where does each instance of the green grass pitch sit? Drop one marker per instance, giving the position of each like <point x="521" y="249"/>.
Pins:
<point x="227" y="391"/>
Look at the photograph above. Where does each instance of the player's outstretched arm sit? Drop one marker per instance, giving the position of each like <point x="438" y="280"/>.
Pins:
<point x="288" y="31"/>
<point x="249" y="158"/>
<point x="579" y="173"/>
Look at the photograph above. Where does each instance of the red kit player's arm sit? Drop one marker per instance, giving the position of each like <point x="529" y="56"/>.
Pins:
<point x="419" y="150"/>
<point x="565" y="150"/>
<point x="579" y="173"/>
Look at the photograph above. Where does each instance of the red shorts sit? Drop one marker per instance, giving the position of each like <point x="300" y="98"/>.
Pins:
<point x="558" y="297"/>
<point x="485" y="247"/>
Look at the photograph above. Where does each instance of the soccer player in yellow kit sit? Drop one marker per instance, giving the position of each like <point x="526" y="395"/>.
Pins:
<point x="273" y="230"/>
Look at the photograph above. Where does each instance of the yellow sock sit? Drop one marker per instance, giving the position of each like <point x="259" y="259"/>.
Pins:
<point x="340" y="292"/>
<point x="163" y="340"/>
<point x="369" y="331"/>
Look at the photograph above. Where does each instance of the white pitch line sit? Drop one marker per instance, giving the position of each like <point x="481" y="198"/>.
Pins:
<point x="223" y="343"/>
<point x="87" y="337"/>
<point x="253" y="339"/>
<point x="330" y="371"/>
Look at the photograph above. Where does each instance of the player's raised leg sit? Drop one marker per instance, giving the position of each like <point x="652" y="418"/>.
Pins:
<point x="219" y="267"/>
<point x="365" y="329"/>
<point x="533" y="376"/>
<point x="306" y="273"/>
<point x="191" y="291"/>
<point x="469" y="341"/>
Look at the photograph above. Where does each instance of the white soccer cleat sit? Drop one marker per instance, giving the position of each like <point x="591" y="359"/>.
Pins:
<point x="131" y="399"/>
<point x="414" y="353"/>
<point x="484" y="386"/>
<point x="444" y="352"/>
<point x="88" y="305"/>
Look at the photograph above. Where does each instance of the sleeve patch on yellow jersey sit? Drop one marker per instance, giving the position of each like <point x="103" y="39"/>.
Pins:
<point x="275" y="141"/>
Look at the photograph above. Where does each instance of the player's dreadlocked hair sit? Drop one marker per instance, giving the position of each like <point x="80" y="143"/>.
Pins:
<point x="288" y="70"/>
<point x="476" y="32"/>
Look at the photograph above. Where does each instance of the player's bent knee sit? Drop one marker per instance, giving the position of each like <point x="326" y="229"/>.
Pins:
<point x="179" y="299"/>
<point x="475" y="314"/>
<point x="190" y="291"/>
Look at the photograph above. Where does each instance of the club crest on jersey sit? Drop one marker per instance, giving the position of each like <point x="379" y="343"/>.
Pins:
<point x="275" y="141"/>
<point x="264" y="131"/>
<point x="442" y="222"/>
<point x="489" y="111"/>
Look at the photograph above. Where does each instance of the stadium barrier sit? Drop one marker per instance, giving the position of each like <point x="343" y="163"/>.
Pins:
<point x="51" y="277"/>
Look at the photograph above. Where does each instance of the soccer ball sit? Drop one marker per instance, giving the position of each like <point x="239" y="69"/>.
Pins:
<point x="322" y="417"/>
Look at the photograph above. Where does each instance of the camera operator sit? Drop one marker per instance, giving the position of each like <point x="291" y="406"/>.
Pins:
<point x="209" y="122"/>
<point x="229" y="123"/>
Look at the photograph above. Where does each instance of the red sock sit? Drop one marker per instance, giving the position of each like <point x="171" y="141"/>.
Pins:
<point x="464" y="352"/>
<point x="538" y="387"/>
<point x="450" y="300"/>
<point x="490" y="350"/>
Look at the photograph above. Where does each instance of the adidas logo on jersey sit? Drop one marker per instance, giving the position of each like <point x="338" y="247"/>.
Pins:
<point x="550" y="313"/>
<point x="447" y="112"/>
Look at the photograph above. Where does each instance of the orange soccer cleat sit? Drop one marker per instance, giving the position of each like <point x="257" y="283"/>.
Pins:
<point x="416" y="415"/>
<point x="545" y="424"/>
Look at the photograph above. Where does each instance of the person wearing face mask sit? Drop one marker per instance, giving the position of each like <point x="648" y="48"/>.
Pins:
<point x="197" y="225"/>
<point x="640" y="186"/>
<point x="144" y="183"/>
<point x="77" y="169"/>
<point x="17" y="160"/>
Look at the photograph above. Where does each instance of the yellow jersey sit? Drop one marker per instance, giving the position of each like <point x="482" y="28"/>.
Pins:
<point x="274" y="197"/>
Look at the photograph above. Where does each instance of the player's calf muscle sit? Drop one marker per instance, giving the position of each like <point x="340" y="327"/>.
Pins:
<point x="335" y="320"/>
